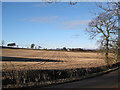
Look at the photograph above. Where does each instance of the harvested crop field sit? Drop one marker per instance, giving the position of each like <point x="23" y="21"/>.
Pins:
<point x="21" y="59"/>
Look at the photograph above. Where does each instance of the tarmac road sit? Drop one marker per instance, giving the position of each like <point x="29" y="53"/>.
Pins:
<point x="109" y="80"/>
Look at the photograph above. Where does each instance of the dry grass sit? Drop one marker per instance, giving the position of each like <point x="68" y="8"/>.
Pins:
<point x="70" y="59"/>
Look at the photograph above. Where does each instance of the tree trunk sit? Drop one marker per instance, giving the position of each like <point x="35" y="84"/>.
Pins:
<point x="118" y="52"/>
<point x="106" y="55"/>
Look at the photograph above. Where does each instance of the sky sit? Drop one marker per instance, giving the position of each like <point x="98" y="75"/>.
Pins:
<point x="54" y="25"/>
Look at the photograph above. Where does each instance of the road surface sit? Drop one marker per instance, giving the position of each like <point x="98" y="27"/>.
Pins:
<point x="110" y="80"/>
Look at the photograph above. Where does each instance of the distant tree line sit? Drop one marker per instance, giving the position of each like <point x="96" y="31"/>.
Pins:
<point x="70" y="49"/>
<point x="32" y="46"/>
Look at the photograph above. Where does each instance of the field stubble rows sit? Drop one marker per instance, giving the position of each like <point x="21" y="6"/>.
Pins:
<point x="63" y="60"/>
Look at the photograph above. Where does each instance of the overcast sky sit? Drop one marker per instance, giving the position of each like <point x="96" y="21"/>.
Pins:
<point x="53" y="25"/>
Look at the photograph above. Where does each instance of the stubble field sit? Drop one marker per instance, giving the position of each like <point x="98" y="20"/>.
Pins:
<point x="20" y="59"/>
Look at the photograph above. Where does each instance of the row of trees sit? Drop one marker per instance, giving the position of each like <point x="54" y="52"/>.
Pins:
<point x="14" y="44"/>
<point x="33" y="45"/>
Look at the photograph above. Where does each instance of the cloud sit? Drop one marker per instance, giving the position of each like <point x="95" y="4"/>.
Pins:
<point x="76" y="36"/>
<point x="39" y="5"/>
<point x="73" y="25"/>
<point x="45" y="19"/>
<point x="61" y="22"/>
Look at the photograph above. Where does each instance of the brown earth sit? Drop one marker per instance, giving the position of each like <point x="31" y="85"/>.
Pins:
<point x="20" y="59"/>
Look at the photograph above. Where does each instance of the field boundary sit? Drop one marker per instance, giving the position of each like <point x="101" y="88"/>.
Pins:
<point x="7" y="47"/>
<point x="81" y="78"/>
<point x="60" y="81"/>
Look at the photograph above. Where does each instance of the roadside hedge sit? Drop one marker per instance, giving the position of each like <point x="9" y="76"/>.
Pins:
<point x="14" y="77"/>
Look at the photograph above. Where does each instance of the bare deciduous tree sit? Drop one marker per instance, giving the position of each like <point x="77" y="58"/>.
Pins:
<point x="32" y="46"/>
<point x="39" y="47"/>
<point x="105" y="26"/>
<point x="2" y="42"/>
